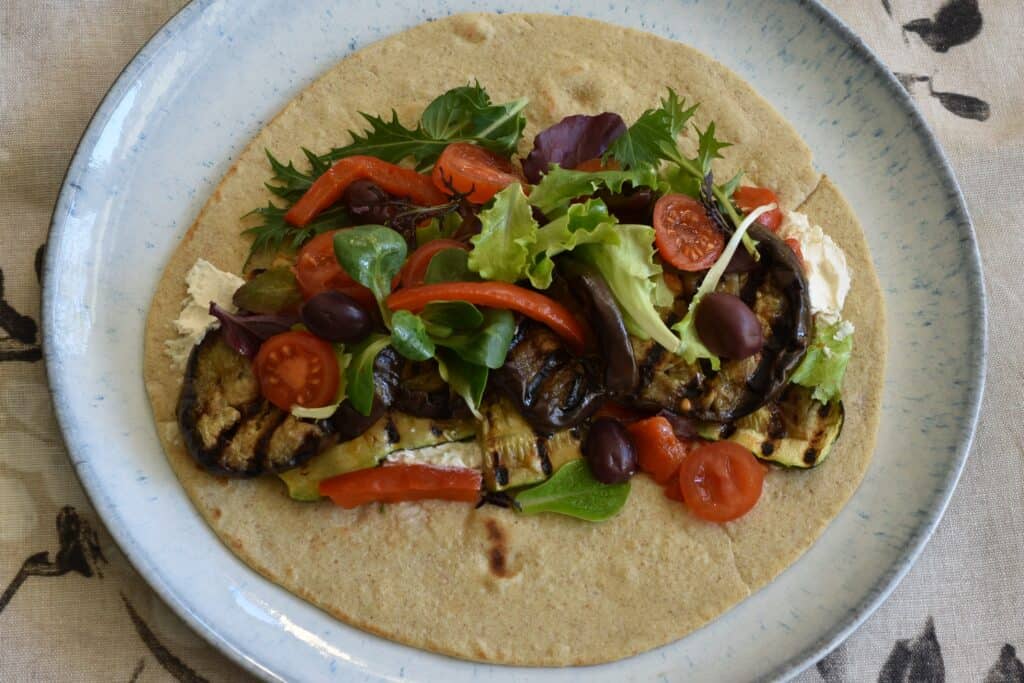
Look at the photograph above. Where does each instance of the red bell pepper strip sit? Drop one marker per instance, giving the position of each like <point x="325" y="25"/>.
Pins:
<point x="496" y="295"/>
<point x="328" y="188"/>
<point x="415" y="269"/>
<point x="400" y="483"/>
<point x="659" y="451"/>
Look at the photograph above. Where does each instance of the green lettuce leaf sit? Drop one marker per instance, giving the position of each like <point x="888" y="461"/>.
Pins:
<point x="824" y="365"/>
<point x="449" y="265"/>
<point x="635" y="279"/>
<point x="585" y="223"/>
<point x="507" y="232"/>
<point x="560" y="186"/>
<point x="372" y="255"/>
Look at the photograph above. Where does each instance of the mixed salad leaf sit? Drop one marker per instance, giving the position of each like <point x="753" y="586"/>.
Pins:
<point x="464" y="114"/>
<point x="572" y="141"/>
<point x="824" y="366"/>
<point x="653" y="138"/>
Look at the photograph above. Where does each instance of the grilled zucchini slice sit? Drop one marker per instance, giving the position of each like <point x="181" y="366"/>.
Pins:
<point x="393" y="432"/>
<point x="794" y="431"/>
<point x="514" y="454"/>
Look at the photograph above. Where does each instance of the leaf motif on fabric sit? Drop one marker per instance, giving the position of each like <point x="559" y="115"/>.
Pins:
<point x="917" y="659"/>
<point x="956" y="22"/>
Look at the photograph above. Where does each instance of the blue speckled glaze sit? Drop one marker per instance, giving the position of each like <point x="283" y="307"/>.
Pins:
<point x="170" y="128"/>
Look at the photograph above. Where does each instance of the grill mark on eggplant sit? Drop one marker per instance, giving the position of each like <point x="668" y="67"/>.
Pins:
<point x="435" y="430"/>
<point x="648" y="364"/>
<point x="261" y="450"/>
<point x="551" y="363"/>
<point x="212" y="375"/>
<point x="810" y="455"/>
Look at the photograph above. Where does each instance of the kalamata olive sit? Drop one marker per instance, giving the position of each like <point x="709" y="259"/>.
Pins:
<point x="728" y="327"/>
<point x="368" y="203"/>
<point x="609" y="452"/>
<point x="336" y="317"/>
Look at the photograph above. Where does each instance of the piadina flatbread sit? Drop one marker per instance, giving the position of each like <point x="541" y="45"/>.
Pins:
<point x="487" y="584"/>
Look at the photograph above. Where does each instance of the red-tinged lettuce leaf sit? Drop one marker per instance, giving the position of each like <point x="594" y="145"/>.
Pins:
<point x="245" y="333"/>
<point x="571" y="141"/>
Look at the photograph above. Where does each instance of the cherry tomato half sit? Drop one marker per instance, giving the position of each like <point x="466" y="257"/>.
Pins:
<point x="748" y="198"/>
<point x="317" y="270"/>
<point x="415" y="269"/>
<point x="297" y="368"/>
<point x="468" y="168"/>
<point x="684" y="235"/>
<point x="720" y="481"/>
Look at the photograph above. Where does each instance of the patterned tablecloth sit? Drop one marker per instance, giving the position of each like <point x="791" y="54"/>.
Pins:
<point x="72" y="608"/>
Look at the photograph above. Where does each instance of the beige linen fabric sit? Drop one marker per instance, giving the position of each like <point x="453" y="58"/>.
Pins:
<point x="957" y="609"/>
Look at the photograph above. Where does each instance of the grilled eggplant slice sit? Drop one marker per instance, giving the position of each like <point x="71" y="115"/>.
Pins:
<point x="794" y="430"/>
<point x="552" y="388"/>
<point x="228" y="428"/>
<point x="393" y="432"/>
<point x="777" y="293"/>
<point x="416" y="388"/>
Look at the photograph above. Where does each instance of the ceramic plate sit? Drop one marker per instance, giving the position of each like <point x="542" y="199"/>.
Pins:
<point x="208" y="81"/>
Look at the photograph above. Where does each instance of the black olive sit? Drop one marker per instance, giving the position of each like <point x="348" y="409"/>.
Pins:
<point x="728" y="327"/>
<point x="336" y="317"/>
<point x="367" y="203"/>
<point x="609" y="452"/>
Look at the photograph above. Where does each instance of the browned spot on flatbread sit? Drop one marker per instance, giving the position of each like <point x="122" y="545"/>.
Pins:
<point x="215" y="513"/>
<point x="497" y="555"/>
<point x="494" y="531"/>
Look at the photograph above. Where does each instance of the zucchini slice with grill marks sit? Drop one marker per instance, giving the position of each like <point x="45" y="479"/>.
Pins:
<point x="393" y="432"/>
<point x="516" y="455"/>
<point x="794" y="430"/>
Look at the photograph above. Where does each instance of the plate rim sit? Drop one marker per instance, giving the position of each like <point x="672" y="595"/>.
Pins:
<point x="851" y="621"/>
